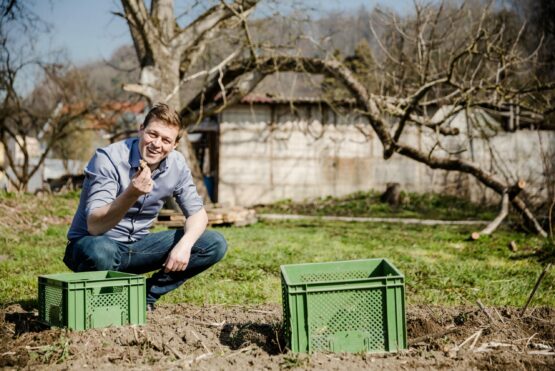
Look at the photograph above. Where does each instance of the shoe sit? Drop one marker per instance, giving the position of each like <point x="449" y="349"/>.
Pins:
<point x="150" y="307"/>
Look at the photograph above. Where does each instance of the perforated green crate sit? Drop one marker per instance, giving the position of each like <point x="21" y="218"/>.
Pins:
<point x="85" y="300"/>
<point x="344" y="306"/>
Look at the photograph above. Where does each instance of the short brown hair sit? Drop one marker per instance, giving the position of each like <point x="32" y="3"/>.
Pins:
<point x="163" y="112"/>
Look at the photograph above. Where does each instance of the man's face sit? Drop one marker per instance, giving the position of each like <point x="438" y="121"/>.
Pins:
<point x="156" y="141"/>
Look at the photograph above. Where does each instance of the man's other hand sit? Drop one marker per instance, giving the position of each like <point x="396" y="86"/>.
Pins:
<point x="178" y="259"/>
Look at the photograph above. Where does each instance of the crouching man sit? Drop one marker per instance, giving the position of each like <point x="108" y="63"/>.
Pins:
<point x="124" y="189"/>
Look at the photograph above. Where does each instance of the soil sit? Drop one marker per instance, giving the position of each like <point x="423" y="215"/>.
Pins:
<point x="246" y="337"/>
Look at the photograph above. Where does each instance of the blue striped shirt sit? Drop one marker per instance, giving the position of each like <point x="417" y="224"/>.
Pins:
<point x="109" y="173"/>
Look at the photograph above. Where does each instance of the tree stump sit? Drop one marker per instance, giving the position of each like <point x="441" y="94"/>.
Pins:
<point x="392" y="194"/>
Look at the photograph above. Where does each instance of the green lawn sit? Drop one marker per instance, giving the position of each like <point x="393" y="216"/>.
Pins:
<point x="439" y="264"/>
<point x="413" y="205"/>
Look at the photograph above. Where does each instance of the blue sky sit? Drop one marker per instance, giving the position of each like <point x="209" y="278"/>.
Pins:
<point x="88" y="31"/>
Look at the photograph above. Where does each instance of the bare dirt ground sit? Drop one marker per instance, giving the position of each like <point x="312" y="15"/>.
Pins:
<point x="245" y="337"/>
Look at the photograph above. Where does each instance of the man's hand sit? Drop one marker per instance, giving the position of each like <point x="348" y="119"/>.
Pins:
<point x="178" y="259"/>
<point x="141" y="183"/>
<point x="103" y="218"/>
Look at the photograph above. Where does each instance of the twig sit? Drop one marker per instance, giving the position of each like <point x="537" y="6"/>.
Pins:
<point x="492" y="345"/>
<point x="261" y="311"/>
<point x="529" y="339"/>
<point x="541" y="346"/>
<point x="208" y="324"/>
<point x="541" y="353"/>
<point x="175" y="352"/>
<point x="433" y="336"/>
<point x="135" y="335"/>
<point x="243" y="350"/>
<point x="190" y="361"/>
<point x="542" y="319"/>
<point x="39" y="347"/>
<point x="277" y="340"/>
<point x="492" y="320"/>
<point x="476" y="334"/>
<point x="513" y="246"/>
<point x="539" y="280"/>
<point x="217" y="68"/>
<point x="243" y="18"/>
<point x="476" y="339"/>
<point x="202" y="342"/>
<point x="499" y="315"/>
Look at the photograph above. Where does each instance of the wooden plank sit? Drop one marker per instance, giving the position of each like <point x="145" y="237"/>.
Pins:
<point x="236" y="215"/>
<point x="164" y="212"/>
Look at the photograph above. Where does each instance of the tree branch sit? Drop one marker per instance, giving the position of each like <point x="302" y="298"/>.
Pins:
<point x="210" y="19"/>
<point x="149" y="92"/>
<point x="213" y="70"/>
<point x="246" y="75"/>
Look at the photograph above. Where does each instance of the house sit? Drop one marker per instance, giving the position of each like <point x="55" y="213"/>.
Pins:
<point x="270" y="148"/>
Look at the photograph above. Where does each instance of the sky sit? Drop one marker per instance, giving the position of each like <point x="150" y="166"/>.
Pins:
<point x="87" y="30"/>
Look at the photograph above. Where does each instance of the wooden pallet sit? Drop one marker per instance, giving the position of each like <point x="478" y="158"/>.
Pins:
<point x="236" y="216"/>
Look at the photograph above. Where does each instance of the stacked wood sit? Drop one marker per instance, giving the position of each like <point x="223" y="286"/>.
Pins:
<point x="236" y="216"/>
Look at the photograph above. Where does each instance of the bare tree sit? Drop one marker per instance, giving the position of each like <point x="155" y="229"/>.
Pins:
<point x="49" y="112"/>
<point x="45" y="123"/>
<point x="460" y="57"/>
<point x="463" y="58"/>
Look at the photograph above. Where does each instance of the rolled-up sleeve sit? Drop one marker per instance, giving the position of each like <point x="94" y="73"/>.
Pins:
<point x="186" y="194"/>
<point x="102" y="179"/>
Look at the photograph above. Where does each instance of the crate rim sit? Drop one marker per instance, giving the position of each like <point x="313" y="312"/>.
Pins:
<point x="124" y="275"/>
<point x="288" y="281"/>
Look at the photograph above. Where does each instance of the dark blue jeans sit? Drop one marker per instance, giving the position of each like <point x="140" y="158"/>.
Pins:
<point x="98" y="253"/>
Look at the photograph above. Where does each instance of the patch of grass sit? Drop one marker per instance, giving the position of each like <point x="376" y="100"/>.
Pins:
<point x="414" y="205"/>
<point x="440" y="265"/>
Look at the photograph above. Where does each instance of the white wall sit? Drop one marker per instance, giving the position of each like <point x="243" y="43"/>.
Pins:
<point x="298" y="157"/>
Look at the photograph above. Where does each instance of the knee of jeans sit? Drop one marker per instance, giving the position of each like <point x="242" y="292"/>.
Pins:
<point x="104" y="255"/>
<point x="219" y="246"/>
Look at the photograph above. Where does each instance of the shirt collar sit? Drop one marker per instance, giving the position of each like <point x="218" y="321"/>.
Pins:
<point x="135" y="157"/>
<point x="134" y="154"/>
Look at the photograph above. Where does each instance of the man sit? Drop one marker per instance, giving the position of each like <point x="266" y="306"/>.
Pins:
<point x="121" y="199"/>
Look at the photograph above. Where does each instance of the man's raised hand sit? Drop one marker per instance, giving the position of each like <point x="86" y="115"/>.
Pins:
<point x="141" y="183"/>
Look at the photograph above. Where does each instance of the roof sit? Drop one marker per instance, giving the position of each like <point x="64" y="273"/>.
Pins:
<point x="115" y="113"/>
<point x="254" y="98"/>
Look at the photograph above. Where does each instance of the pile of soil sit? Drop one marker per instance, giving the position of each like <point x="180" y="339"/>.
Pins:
<point x="239" y="337"/>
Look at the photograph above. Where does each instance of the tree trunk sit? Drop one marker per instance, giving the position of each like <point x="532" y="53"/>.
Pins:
<point x="166" y="52"/>
<point x="392" y="194"/>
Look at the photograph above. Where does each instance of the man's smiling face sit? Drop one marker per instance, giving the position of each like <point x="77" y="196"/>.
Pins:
<point x="156" y="141"/>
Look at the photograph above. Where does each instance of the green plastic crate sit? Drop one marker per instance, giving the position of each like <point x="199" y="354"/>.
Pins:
<point x="344" y="306"/>
<point x="81" y="301"/>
